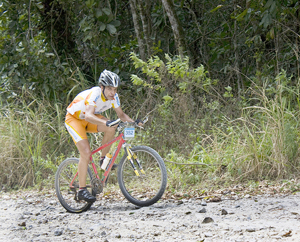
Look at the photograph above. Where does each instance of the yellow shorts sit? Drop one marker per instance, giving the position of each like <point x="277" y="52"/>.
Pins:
<point x="78" y="128"/>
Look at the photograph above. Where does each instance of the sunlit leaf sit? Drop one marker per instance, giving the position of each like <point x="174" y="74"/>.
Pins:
<point x="106" y="11"/>
<point x="49" y="54"/>
<point x="98" y="13"/>
<point x="167" y="98"/>
<point x="89" y="3"/>
<point x="88" y="37"/>
<point x="111" y="28"/>
<point x="216" y="8"/>
<point x="82" y="21"/>
<point x="266" y="20"/>
<point x="102" y="26"/>
<point x="39" y="5"/>
<point x="116" y="23"/>
<point x="241" y="15"/>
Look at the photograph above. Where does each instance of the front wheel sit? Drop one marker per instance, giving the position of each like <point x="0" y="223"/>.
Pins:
<point x="143" y="189"/>
<point x="67" y="186"/>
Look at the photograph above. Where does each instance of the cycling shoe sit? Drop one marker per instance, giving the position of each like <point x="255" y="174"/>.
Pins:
<point x="85" y="195"/>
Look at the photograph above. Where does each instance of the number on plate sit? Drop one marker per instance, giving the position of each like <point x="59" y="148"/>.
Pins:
<point x="129" y="133"/>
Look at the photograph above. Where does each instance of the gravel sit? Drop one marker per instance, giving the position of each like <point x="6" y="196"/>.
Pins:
<point x="38" y="216"/>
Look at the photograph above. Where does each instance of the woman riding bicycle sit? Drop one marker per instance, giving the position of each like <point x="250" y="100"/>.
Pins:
<point x="84" y="116"/>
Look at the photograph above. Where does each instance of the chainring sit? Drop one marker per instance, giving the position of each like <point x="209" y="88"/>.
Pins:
<point x="97" y="186"/>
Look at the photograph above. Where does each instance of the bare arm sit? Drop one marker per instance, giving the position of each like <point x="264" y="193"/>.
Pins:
<point x="91" y="117"/>
<point x="123" y="116"/>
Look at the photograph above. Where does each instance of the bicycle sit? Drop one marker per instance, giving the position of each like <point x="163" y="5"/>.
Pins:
<point x="141" y="174"/>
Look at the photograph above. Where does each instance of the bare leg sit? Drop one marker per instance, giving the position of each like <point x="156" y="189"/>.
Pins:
<point x="85" y="153"/>
<point x="109" y="134"/>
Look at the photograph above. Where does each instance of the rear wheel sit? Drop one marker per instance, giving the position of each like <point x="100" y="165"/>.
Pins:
<point x="145" y="189"/>
<point x="66" y="190"/>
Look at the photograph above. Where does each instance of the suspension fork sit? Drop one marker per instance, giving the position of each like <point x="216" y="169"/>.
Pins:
<point x="131" y="156"/>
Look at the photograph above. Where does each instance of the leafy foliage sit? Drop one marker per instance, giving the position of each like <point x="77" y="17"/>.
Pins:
<point x="27" y="60"/>
<point x="231" y="102"/>
<point x="176" y="96"/>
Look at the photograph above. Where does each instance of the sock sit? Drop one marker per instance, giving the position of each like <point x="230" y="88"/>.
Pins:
<point x="82" y="188"/>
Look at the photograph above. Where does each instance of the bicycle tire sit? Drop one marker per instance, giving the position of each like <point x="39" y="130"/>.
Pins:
<point x="143" y="190"/>
<point x="68" y="196"/>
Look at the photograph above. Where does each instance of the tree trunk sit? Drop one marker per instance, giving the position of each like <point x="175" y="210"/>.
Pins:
<point x="141" y="7"/>
<point x="236" y="57"/>
<point x="137" y="29"/>
<point x="176" y="26"/>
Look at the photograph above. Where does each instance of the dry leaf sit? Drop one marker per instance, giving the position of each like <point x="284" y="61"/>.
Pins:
<point x="288" y="234"/>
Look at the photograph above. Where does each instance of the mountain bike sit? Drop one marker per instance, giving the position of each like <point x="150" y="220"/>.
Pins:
<point x="141" y="174"/>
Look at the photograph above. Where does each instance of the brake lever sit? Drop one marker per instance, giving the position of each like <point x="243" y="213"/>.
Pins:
<point x="145" y="120"/>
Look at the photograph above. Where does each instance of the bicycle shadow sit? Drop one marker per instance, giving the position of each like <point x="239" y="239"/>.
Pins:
<point x="126" y="206"/>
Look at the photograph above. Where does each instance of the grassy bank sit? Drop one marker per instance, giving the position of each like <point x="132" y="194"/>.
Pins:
<point x="260" y="143"/>
<point x="33" y="141"/>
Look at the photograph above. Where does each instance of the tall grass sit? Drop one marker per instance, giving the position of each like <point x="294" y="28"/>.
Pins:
<point x="254" y="136"/>
<point x="263" y="143"/>
<point x="267" y="136"/>
<point x="259" y="142"/>
<point x="33" y="139"/>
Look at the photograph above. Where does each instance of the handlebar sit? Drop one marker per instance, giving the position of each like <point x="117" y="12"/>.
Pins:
<point x="122" y="125"/>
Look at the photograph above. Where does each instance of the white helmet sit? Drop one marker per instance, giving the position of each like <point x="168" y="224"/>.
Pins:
<point x="108" y="78"/>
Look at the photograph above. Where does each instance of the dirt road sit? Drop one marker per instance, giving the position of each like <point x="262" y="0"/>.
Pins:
<point x="38" y="216"/>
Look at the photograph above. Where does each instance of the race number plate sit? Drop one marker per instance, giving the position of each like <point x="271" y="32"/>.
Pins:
<point x="129" y="133"/>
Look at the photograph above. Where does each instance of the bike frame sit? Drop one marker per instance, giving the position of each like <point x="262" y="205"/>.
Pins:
<point x="120" y="137"/>
<point x="112" y="160"/>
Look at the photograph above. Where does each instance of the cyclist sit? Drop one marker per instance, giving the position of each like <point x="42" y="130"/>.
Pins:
<point x="84" y="115"/>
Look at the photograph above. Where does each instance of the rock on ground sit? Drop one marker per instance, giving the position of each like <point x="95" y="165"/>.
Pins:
<point x="38" y="216"/>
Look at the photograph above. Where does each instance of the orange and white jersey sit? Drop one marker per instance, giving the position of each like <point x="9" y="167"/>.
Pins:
<point x="95" y="97"/>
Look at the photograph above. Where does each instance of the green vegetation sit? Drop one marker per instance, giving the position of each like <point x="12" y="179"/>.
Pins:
<point x="33" y="141"/>
<point x="219" y="80"/>
<point x="223" y="137"/>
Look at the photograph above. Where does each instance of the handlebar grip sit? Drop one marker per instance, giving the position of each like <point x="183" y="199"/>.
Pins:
<point x="145" y="120"/>
<point x="113" y="123"/>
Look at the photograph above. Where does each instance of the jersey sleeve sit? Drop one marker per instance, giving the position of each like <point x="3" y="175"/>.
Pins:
<point x="116" y="102"/>
<point x="92" y="97"/>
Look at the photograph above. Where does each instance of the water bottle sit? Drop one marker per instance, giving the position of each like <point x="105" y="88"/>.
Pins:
<point x="105" y="161"/>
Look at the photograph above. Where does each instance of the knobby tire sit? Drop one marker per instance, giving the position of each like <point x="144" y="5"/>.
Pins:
<point x="143" y="190"/>
<point x="67" y="196"/>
